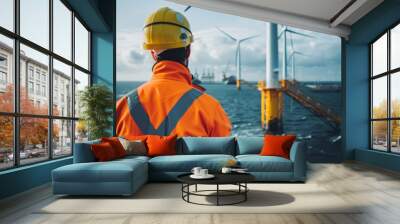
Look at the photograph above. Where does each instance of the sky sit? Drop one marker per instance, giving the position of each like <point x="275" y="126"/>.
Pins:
<point x="379" y="65"/>
<point x="212" y="51"/>
<point x="35" y="27"/>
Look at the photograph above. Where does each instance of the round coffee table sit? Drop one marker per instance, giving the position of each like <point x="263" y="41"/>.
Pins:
<point x="238" y="179"/>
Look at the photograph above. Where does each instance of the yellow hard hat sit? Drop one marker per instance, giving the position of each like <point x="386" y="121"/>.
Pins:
<point x="166" y="29"/>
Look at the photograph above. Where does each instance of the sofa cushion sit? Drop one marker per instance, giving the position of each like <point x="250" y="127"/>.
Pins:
<point x="257" y="163"/>
<point x="116" y="145"/>
<point x="134" y="147"/>
<point x="161" y="145"/>
<point x="185" y="163"/>
<point x="103" y="152"/>
<point x="83" y="152"/>
<point x="206" y="145"/>
<point x="112" y="171"/>
<point x="277" y="145"/>
<point x="249" y="145"/>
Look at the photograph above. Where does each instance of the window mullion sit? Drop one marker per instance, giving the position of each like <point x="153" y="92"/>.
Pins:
<point x="389" y="104"/>
<point x="16" y="83"/>
<point x="50" y="81"/>
<point x="73" y="81"/>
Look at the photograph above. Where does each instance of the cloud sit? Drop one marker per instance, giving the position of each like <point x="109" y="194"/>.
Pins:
<point x="136" y="57"/>
<point x="212" y="51"/>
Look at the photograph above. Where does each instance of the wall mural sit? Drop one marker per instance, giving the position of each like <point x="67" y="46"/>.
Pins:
<point x="228" y="60"/>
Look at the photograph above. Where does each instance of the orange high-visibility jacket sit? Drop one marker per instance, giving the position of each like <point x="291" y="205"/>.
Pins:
<point x="169" y="105"/>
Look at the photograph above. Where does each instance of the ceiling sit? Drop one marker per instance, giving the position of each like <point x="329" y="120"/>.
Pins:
<point x="325" y="16"/>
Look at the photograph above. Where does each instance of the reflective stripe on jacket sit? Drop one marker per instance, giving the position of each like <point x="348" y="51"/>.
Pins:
<point x="169" y="105"/>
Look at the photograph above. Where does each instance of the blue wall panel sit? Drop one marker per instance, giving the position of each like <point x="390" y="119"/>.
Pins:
<point x="357" y="83"/>
<point x="24" y="178"/>
<point x="377" y="158"/>
<point x="102" y="58"/>
<point x="103" y="62"/>
<point x="357" y="100"/>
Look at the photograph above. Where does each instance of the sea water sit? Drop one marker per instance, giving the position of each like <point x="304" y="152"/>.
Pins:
<point x="323" y="139"/>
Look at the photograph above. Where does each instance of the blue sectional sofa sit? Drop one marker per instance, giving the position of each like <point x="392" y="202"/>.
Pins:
<point x="125" y="176"/>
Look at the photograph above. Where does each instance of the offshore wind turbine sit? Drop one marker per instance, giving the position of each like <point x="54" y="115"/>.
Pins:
<point x="283" y="33"/>
<point x="237" y="54"/>
<point x="292" y="56"/>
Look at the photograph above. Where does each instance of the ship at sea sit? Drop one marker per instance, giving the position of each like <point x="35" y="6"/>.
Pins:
<point x="325" y="87"/>
<point x="228" y="80"/>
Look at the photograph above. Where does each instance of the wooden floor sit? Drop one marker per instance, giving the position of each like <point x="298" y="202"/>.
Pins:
<point x="378" y="189"/>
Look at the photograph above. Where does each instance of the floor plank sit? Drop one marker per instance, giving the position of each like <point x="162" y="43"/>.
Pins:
<point x="377" y="190"/>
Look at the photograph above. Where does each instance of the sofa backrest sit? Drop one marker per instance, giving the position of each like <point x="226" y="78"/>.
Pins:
<point x="83" y="152"/>
<point x="206" y="145"/>
<point x="249" y="145"/>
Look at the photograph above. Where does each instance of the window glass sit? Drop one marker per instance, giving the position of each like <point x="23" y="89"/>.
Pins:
<point x="35" y="21"/>
<point x="6" y="74"/>
<point x="62" y="89"/>
<point x="62" y="138"/>
<point x="62" y="29"/>
<point x="395" y="47"/>
<point x="33" y="140"/>
<point x="81" y="82"/>
<point x="6" y="142"/>
<point x="379" y="55"/>
<point x="379" y="135"/>
<point x="395" y="136"/>
<point x="395" y="94"/>
<point x="39" y="62"/>
<point x="7" y="14"/>
<point x="379" y="98"/>
<point x="81" y="45"/>
<point x="81" y="131"/>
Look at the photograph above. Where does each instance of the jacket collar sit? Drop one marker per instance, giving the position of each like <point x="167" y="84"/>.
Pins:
<point x="171" y="70"/>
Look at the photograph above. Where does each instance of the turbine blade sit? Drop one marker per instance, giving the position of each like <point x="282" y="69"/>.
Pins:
<point x="284" y="29"/>
<point x="299" y="53"/>
<point x="226" y="34"/>
<point x="248" y="38"/>
<point x="187" y="8"/>
<point x="298" y="33"/>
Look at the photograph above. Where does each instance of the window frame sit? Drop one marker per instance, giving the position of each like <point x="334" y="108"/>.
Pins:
<point x="388" y="74"/>
<point x="16" y="115"/>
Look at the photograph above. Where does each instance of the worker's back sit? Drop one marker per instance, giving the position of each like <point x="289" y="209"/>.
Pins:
<point x="169" y="105"/>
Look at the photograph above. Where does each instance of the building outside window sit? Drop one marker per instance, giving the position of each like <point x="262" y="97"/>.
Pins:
<point x="3" y="78"/>
<point x="385" y="91"/>
<point x="38" y="75"/>
<point x="43" y="77"/>
<point x="43" y="90"/>
<point x="30" y="72"/>
<point x="3" y="61"/>
<point x="30" y="87"/>
<point x="38" y="89"/>
<point x="59" y="126"/>
<point x="3" y="72"/>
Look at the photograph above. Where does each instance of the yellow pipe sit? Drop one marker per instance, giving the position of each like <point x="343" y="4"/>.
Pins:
<point x="238" y="83"/>
<point x="271" y="108"/>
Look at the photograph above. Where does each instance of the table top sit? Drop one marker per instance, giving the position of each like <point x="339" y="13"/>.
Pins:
<point x="220" y="178"/>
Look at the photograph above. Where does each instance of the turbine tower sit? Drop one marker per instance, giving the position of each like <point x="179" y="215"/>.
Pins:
<point x="237" y="54"/>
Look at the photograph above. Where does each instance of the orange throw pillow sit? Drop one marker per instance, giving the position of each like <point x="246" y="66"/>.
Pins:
<point x="116" y="145"/>
<point x="103" y="152"/>
<point x="275" y="145"/>
<point x="161" y="146"/>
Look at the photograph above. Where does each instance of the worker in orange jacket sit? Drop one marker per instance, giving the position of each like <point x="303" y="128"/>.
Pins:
<point x="170" y="103"/>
